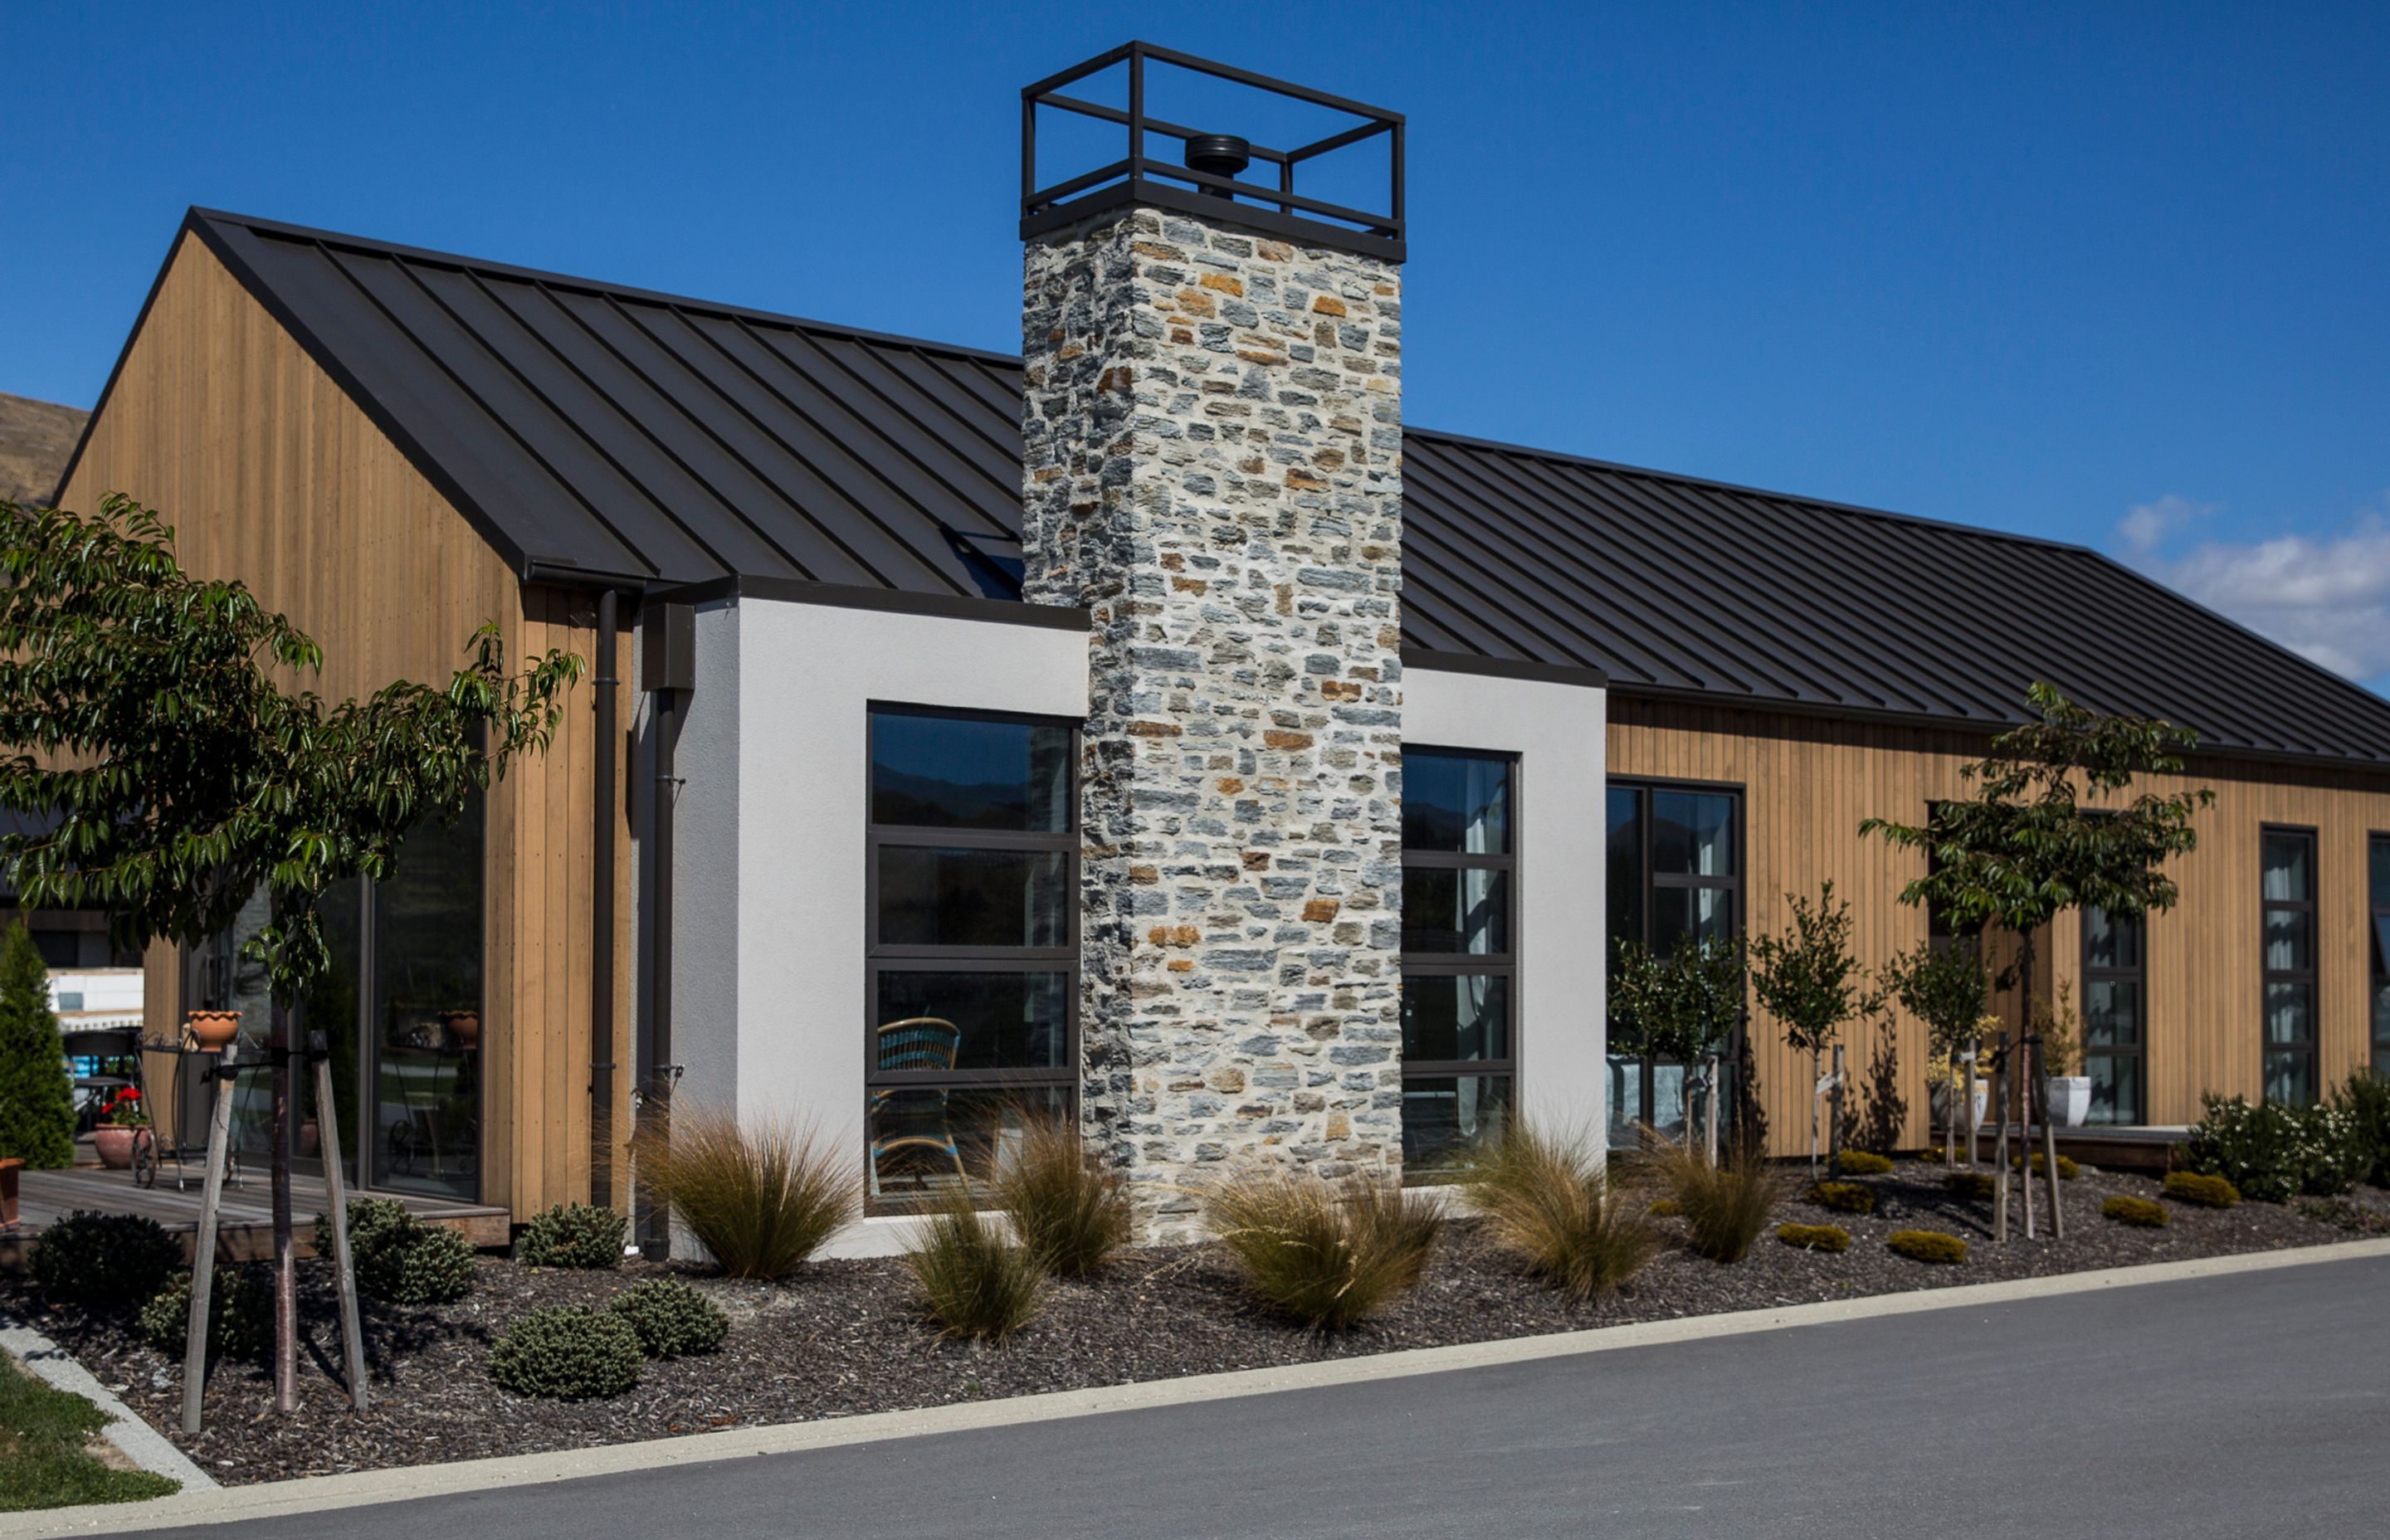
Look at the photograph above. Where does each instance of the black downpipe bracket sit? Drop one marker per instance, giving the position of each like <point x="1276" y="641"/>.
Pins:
<point x="667" y="672"/>
<point x="606" y="803"/>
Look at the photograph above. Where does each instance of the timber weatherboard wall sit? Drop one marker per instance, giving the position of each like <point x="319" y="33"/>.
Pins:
<point x="1807" y="782"/>
<point x="270" y="473"/>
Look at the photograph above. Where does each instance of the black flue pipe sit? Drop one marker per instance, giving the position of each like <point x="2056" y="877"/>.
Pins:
<point x="606" y="803"/>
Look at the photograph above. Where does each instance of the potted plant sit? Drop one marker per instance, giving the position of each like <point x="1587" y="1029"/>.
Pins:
<point x="463" y="1027"/>
<point x="213" y="1030"/>
<point x="123" y="1124"/>
<point x="2066" y="1094"/>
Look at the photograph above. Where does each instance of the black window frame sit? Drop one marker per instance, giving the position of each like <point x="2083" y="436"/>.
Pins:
<point x="905" y="957"/>
<point x="1450" y="965"/>
<point x="2310" y="976"/>
<point x="2377" y="854"/>
<point x="1653" y="883"/>
<point x="2139" y="977"/>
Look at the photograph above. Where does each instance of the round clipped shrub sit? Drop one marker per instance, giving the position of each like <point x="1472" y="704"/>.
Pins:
<point x="1866" y="1163"/>
<point x="240" y="1315"/>
<point x="104" y="1259"/>
<point x="1666" y="1208"/>
<point x="399" y="1258"/>
<point x="1927" y="1246"/>
<point x="1814" y="1237"/>
<point x="1976" y="1185"/>
<point x="567" y="1352"/>
<point x="2067" y="1169"/>
<point x="671" y="1319"/>
<point x="2135" y="1211"/>
<point x="2206" y="1192"/>
<point x="572" y="1235"/>
<point x="1842" y="1197"/>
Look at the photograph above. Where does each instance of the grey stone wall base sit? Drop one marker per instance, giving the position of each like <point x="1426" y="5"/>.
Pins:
<point x="141" y="1443"/>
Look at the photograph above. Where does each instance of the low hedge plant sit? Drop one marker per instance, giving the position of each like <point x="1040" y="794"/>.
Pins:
<point x="671" y="1319"/>
<point x="2139" y="1212"/>
<point x="2274" y="1154"/>
<point x="104" y="1259"/>
<point x="1842" y="1197"/>
<point x="2206" y="1192"/>
<point x="240" y="1315"/>
<point x="1866" y="1163"/>
<point x="580" y="1236"/>
<point x="567" y="1352"/>
<point x="399" y="1258"/>
<point x="2067" y="1168"/>
<point x="1928" y="1246"/>
<point x="1814" y="1237"/>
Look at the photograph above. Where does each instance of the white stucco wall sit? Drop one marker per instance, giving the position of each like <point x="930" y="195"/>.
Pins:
<point x="768" y="991"/>
<point x="1558" y="731"/>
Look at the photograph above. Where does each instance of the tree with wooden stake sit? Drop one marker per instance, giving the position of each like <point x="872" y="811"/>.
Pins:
<point x="149" y="736"/>
<point x="1682" y="1007"/>
<point x="1947" y="986"/>
<point x="2025" y="849"/>
<point x="1809" y="981"/>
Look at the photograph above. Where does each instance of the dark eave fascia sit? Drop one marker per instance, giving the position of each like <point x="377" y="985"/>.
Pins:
<point x="1743" y="705"/>
<point x="1504" y="668"/>
<point x="894" y="601"/>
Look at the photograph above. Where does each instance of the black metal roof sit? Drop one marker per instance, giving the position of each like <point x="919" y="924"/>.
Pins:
<point x="602" y="433"/>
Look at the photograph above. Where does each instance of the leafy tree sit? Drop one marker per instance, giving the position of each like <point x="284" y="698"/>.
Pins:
<point x="153" y="738"/>
<point x="1809" y="981"/>
<point x="1948" y="988"/>
<point x="2025" y="849"/>
<point x="1682" y="1007"/>
<point x="37" y="1114"/>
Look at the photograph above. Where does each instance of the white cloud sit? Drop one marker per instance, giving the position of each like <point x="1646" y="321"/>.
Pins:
<point x="2146" y="526"/>
<point x="2325" y="598"/>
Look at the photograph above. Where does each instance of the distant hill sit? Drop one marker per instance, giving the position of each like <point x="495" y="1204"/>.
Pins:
<point x="35" y="439"/>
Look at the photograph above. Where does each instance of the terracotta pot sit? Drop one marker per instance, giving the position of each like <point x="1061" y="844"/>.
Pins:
<point x="464" y="1028"/>
<point x="9" y="1168"/>
<point x="214" y="1030"/>
<point x="115" y="1142"/>
<point x="311" y="1139"/>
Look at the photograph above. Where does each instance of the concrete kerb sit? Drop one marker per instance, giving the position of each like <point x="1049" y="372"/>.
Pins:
<point x="322" y="1493"/>
<point x="141" y="1443"/>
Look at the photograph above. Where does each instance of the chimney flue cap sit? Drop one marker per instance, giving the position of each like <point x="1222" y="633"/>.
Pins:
<point x="1220" y="155"/>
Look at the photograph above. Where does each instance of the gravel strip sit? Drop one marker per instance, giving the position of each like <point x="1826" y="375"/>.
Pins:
<point x="847" y="1337"/>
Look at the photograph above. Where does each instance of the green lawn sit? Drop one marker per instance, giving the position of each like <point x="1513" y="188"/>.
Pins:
<point x="43" y="1462"/>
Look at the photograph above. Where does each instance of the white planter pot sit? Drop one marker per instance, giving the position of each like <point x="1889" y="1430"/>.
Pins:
<point x="2070" y="1099"/>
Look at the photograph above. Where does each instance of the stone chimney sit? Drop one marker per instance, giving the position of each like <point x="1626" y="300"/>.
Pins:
<point x="1211" y="426"/>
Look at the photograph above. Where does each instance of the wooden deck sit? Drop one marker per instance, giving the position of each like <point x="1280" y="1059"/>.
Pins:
<point x="2150" y="1151"/>
<point x="245" y="1222"/>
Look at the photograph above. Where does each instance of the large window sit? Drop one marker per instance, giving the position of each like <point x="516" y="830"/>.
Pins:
<point x="2116" y="973"/>
<point x="2377" y="881"/>
<point x="973" y="948"/>
<point x="1459" y="963"/>
<point x="2287" y="895"/>
<point x="1675" y="873"/>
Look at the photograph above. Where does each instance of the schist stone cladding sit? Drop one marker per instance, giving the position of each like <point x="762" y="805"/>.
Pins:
<point x="1213" y="428"/>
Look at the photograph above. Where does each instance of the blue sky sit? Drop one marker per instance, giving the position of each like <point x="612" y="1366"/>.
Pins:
<point x="2113" y="274"/>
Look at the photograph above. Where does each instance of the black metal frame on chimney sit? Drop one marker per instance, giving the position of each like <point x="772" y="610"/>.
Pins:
<point x="1138" y="178"/>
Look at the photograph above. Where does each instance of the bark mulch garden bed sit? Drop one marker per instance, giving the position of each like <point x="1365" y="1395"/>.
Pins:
<point x="847" y="1337"/>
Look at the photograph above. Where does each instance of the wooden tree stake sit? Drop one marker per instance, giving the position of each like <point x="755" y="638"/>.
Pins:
<point x="203" y="1245"/>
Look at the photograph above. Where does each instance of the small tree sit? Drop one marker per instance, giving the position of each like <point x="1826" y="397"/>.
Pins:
<point x="1947" y="988"/>
<point x="176" y="775"/>
<point x="1682" y="1007"/>
<point x="2025" y="849"/>
<point x="1809" y="981"/>
<point x="37" y="1114"/>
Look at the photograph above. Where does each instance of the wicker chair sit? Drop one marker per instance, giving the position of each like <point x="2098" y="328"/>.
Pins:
<point x="912" y="1136"/>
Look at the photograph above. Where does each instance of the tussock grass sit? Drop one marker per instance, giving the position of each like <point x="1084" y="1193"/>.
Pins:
<point x="973" y="1281"/>
<point x="1070" y="1209"/>
<point x="1328" y="1255"/>
<point x="1549" y="1203"/>
<point x="1725" y="1206"/>
<point x="762" y="1196"/>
